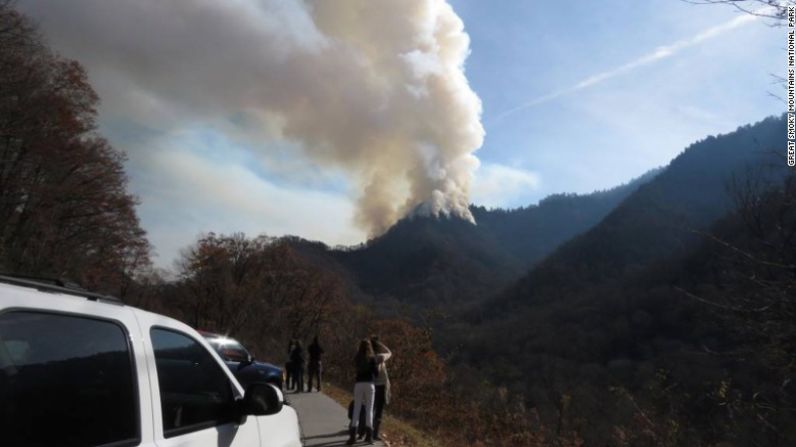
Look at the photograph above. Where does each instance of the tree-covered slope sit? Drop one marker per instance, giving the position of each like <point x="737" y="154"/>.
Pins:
<point x="428" y="262"/>
<point x="611" y="322"/>
<point x="659" y="219"/>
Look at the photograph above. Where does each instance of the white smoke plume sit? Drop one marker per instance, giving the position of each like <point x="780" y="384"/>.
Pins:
<point x="375" y="88"/>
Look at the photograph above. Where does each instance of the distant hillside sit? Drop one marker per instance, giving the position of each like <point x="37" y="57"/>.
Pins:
<point x="657" y="220"/>
<point x="599" y="318"/>
<point x="424" y="262"/>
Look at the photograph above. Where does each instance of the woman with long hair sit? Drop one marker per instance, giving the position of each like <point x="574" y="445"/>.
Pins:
<point x="364" y="390"/>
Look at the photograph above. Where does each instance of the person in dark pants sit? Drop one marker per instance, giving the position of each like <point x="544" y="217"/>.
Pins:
<point x="314" y="367"/>
<point x="382" y="383"/>
<point x="297" y="362"/>
<point x="289" y="380"/>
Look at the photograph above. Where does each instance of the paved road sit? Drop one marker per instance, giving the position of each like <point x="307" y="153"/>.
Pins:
<point x="324" y="422"/>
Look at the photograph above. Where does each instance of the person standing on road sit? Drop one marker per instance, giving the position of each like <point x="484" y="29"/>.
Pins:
<point x="364" y="390"/>
<point x="314" y="367"/>
<point x="297" y="361"/>
<point x="289" y="366"/>
<point x="382" y="383"/>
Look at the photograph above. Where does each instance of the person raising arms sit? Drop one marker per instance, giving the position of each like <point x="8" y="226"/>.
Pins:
<point x="366" y="370"/>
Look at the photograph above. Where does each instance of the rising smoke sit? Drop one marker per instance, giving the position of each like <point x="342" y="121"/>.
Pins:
<point x="375" y="88"/>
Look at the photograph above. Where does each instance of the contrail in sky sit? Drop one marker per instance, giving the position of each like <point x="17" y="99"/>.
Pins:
<point x="660" y="53"/>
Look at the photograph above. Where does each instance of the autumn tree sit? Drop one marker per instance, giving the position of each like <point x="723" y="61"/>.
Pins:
<point x="747" y="277"/>
<point x="259" y="289"/>
<point x="64" y="208"/>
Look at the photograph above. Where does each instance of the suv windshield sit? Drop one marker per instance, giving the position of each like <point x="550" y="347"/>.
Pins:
<point x="230" y="350"/>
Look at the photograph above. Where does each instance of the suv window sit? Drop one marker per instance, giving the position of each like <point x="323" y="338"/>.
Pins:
<point x="195" y="393"/>
<point x="65" y="380"/>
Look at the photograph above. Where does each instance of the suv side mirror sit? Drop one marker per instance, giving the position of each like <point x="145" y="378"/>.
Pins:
<point x="261" y="399"/>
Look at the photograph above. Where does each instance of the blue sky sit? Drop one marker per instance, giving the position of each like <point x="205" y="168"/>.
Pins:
<point x="577" y="96"/>
<point x="615" y="130"/>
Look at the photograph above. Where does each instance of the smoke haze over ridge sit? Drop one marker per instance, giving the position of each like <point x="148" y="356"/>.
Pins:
<point x="375" y="89"/>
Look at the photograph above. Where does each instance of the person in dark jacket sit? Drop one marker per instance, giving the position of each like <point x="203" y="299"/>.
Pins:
<point x="314" y="366"/>
<point x="297" y="362"/>
<point x="366" y="370"/>
<point x="290" y="380"/>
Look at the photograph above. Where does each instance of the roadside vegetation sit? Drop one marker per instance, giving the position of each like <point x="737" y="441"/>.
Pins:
<point x="395" y="432"/>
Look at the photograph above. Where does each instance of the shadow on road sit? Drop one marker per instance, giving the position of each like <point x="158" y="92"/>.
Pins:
<point x="329" y="435"/>
<point x="324" y="422"/>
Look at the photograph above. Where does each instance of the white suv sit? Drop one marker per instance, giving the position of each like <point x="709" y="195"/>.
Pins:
<point x="81" y="369"/>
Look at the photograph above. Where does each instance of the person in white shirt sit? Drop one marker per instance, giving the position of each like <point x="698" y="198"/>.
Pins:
<point x="382" y="383"/>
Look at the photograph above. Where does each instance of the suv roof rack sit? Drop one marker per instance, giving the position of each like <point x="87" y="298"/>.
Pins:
<point x="54" y="285"/>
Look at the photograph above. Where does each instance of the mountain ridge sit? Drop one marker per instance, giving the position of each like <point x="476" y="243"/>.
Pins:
<point x="425" y="262"/>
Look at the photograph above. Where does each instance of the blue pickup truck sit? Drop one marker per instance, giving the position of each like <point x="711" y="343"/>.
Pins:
<point x="242" y="364"/>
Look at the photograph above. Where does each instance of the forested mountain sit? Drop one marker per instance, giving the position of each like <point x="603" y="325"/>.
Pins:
<point x="636" y="320"/>
<point x="426" y="261"/>
<point x="663" y="217"/>
<point x="446" y="263"/>
<point x="609" y="327"/>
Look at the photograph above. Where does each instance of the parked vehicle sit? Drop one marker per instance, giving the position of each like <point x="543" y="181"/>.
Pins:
<point x="243" y="365"/>
<point x="82" y="369"/>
